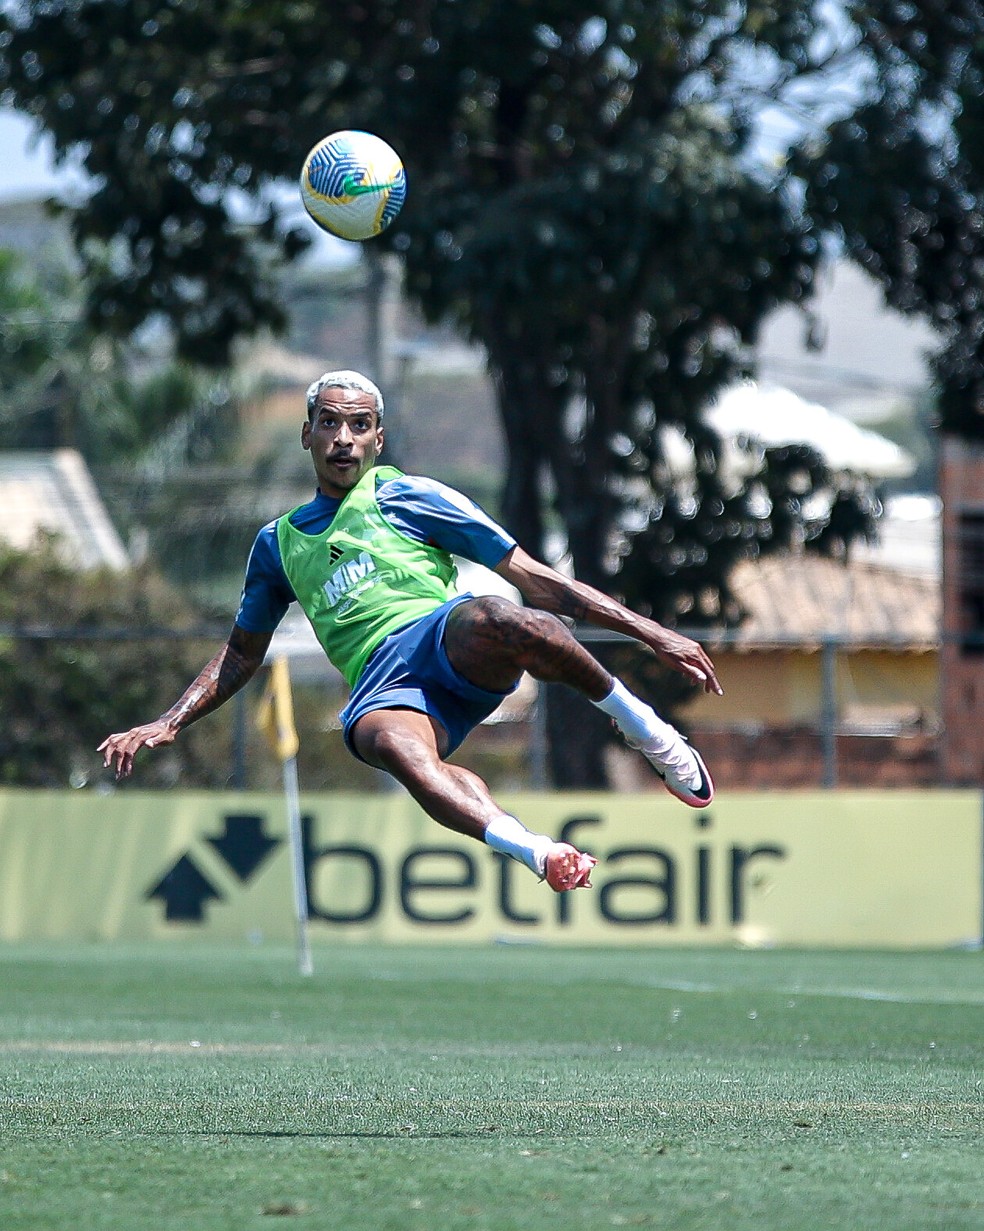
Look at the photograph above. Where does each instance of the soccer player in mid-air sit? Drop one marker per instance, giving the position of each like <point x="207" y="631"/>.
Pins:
<point x="369" y="559"/>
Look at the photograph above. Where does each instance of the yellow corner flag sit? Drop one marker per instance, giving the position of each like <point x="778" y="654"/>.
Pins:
<point x="275" y="716"/>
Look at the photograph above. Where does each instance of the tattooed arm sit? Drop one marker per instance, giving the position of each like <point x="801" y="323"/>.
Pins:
<point x="234" y="665"/>
<point x="549" y="590"/>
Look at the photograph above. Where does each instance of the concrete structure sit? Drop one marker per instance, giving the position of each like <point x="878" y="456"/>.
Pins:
<point x="52" y="492"/>
<point x="962" y="658"/>
<point x="831" y="680"/>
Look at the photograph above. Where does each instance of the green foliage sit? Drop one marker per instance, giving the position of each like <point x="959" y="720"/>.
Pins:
<point x="587" y="162"/>
<point x="578" y="157"/>
<point x="143" y="423"/>
<point x="586" y="198"/>
<point x="679" y="563"/>
<point x="176" y="106"/>
<point x="22" y="311"/>
<point x="64" y="385"/>
<point x="902" y="182"/>
<point x="83" y="654"/>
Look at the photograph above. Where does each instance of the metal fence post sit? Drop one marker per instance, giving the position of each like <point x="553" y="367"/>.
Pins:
<point x="828" y="711"/>
<point x="538" y="740"/>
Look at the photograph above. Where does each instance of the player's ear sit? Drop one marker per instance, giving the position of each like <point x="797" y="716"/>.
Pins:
<point x="306" y="434"/>
<point x="380" y="438"/>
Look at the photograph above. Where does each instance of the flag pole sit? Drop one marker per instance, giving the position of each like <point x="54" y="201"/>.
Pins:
<point x="275" y="719"/>
<point x="292" y="797"/>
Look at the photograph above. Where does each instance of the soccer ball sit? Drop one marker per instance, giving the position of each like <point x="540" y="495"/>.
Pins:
<point x="353" y="184"/>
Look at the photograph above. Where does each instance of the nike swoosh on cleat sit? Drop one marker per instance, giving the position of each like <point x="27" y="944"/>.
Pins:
<point x="701" y="792"/>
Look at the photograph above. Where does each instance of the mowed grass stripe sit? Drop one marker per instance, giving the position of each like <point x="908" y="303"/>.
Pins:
<point x="503" y="1088"/>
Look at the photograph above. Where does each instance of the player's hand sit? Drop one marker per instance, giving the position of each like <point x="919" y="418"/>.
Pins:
<point x="687" y="657"/>
<point x="120" y="749"/>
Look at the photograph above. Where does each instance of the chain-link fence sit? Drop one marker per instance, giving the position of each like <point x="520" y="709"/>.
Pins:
<point x="831" y="715"/>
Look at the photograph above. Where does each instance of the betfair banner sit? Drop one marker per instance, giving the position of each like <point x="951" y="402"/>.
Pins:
<point x="811" y="869"/>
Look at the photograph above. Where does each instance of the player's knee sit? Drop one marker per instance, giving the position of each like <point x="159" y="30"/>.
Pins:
<point x="491" y="612"/>
<point x="545" y="627"/>
<point x="536" y="632"/>
<point x="493" y="640"/>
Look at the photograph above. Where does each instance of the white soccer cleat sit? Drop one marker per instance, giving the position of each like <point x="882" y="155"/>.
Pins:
<point x="568" y="868"/>
<point x="683" y="772"/>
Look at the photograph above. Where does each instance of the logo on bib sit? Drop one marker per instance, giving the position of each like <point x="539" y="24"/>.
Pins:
<point x="347" y="576"/>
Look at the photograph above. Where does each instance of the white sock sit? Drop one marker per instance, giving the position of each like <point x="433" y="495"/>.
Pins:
<point x="509" y="836"/>
<point x="638" y="722"/>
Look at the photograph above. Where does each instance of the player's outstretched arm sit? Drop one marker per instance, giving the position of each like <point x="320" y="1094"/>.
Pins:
<point x="234" y="665"/>
<point x="549" y="590"/>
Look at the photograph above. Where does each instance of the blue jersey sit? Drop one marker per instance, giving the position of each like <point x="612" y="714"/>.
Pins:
<point x="422" y="509"/>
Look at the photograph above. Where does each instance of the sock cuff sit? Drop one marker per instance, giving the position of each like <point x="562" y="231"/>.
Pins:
<point x="638" y="722"/>
<point x="509" y="836"/>
<point x="619" y="700"/>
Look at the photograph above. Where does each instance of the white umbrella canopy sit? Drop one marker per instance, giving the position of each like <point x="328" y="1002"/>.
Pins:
<point x="773" y="416"/>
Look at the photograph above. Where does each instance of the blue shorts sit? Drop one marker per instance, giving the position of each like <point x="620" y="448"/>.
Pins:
<point x="410" y="670"/>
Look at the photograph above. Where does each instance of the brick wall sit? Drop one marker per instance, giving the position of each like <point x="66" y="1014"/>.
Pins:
<point x="792" y="757"/>
<point x="961" y="670"/>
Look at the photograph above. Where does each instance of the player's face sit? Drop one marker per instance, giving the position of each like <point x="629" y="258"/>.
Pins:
<point x="344" y="437"/>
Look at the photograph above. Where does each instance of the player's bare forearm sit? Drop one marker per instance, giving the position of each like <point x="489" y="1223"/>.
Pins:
<point x="543" y="587"/>
<point x="549" y="590"/>
<point x="234" y="665"/>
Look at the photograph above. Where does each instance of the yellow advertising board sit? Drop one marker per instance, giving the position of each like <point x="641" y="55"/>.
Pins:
<point x="891" y="869"/>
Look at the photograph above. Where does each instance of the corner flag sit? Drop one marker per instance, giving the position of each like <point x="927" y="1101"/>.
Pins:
<point x="275" y="716"/>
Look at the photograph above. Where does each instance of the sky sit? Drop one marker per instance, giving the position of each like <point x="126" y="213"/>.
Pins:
<point x="26" y="165"/>
<point x="27" y="169"/>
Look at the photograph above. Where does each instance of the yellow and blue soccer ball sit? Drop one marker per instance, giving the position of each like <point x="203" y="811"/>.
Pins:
<point x="353" y="184"/>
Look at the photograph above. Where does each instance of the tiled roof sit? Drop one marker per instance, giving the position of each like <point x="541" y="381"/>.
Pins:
<point x="53" y="491"/>
<point x="804" y="600"/>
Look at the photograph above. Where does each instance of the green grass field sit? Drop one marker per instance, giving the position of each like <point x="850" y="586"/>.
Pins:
<point x="193" y="1089"/>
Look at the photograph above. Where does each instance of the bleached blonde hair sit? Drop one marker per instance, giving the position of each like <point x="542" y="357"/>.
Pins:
<point x="343" y="379"/>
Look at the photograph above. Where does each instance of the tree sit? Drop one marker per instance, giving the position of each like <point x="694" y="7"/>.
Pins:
<point x="901" y="181"/>
<point x="178" y="107"/>
<point x="587" y="203"/>
<point x="65" y="385"/>
<point x="145" y="424"/>
<point x="60" y="695"/>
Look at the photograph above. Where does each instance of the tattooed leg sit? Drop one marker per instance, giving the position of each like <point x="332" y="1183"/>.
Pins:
<point x="409" y="745"/>
<point x="492" y="641"/>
